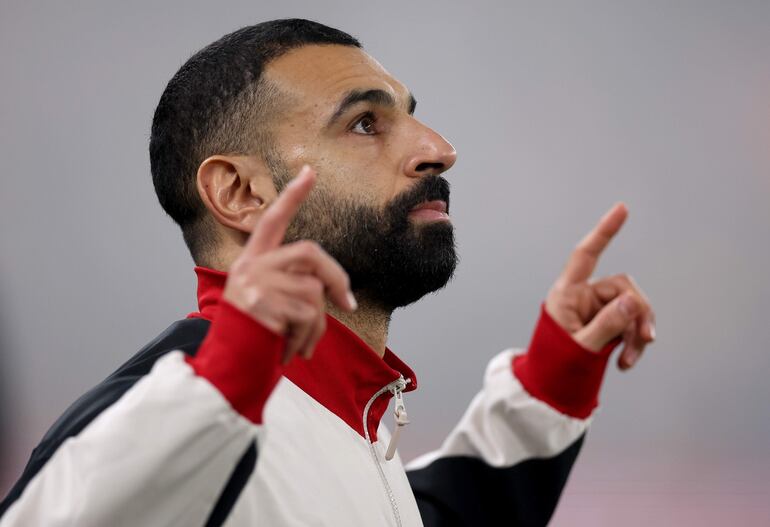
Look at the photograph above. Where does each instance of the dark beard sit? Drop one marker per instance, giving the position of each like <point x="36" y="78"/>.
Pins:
<point x="391" y="261"/>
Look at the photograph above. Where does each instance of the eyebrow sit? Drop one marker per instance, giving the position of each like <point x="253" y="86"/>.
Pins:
<point x="374" y="96"/>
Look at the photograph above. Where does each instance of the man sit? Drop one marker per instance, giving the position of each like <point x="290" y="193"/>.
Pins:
<point x="265" y="406"/>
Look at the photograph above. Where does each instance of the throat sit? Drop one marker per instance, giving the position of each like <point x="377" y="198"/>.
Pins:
<point x="369" y="322"/>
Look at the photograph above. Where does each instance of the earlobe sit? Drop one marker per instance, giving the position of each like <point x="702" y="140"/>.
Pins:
<point x="234" y="190"/>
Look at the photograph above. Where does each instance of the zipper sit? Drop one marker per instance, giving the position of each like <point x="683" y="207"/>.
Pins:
<point x="401" y="418"/>
<point x="395" y="387"/>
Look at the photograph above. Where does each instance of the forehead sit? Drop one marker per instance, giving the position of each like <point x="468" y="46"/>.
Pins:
<point x="318" y="76"/>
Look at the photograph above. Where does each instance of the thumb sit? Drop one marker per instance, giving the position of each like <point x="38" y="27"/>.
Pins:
<point x="611" y="321"/>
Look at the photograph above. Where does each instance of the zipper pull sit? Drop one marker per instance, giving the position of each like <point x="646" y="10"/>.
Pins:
<point x="402" y="419"/>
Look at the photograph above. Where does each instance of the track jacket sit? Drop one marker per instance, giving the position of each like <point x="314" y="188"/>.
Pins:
<point x="203" y="427"/>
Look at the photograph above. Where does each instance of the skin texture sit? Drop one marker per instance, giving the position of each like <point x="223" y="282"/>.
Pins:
<point x="372" y="159"/>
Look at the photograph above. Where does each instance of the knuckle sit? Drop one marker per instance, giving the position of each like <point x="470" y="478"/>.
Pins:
<point x="309" y="248"/>
<point x="308" y="282"/>
<point x="641" y="303"/>
<point x="633" y="285"/>
<point x="558" y="287"/>
<point x="623" y="278"/>
<point x="635" y="300"/>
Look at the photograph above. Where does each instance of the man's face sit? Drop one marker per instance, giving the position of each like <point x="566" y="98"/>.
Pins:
<point x="377" y="207"/>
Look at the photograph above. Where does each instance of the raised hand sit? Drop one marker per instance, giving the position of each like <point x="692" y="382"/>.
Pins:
<point x="596" y="312"/>
<point x="284" y="287"/>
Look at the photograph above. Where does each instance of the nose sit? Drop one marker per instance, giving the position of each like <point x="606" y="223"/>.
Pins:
<point x="431" y="154"/>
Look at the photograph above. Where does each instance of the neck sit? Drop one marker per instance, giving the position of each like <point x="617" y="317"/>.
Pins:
<point x="369" y="322"/>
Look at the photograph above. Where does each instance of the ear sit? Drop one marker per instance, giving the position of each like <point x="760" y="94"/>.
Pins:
<point x="235" y="189"/>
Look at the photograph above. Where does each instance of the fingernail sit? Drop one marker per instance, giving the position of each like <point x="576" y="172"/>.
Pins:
<point x="627" y="305"/>
<point x="352" y="301"/>
<point x="651" y="327"/>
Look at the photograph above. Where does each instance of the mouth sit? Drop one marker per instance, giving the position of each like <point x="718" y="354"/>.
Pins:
<point x="435" y="210"/>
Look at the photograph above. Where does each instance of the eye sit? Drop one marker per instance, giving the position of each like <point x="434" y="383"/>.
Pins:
<point x="365" y="125"/>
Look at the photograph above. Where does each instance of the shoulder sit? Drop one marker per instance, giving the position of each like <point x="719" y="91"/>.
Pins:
<point x="184" y="335"/>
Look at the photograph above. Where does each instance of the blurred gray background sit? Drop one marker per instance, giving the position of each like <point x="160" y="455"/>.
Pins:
<point x="557" y="110"/>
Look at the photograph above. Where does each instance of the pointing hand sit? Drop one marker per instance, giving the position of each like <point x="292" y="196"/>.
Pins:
<point x="284" y="287"/>
<point x="598" y="311"/>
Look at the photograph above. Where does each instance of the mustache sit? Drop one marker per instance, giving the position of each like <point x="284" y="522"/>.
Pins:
<point x="427" y="188"/>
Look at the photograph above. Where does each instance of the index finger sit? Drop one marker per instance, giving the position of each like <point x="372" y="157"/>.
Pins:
<point x="269" y="232"/>
<point x="583" y="259"/>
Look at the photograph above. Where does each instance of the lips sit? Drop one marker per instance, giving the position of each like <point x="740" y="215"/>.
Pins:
<point x="437" y="205"/>
<point x="435" y="210"/>
<point x="426" y="200"/>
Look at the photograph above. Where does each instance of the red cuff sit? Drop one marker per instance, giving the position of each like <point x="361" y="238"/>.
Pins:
<point x="241" y="358"/>
<point x="559" y="371"/>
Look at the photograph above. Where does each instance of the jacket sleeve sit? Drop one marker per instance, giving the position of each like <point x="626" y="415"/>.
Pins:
<point x="165" y="450"/>
<point x="507" y="460"/>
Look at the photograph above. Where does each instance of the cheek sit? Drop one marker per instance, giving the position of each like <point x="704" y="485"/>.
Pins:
<point x="360" y="180"/>
<point x="365" y="170"/>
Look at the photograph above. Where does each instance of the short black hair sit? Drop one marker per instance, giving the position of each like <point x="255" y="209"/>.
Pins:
<point x="215" y="104"/>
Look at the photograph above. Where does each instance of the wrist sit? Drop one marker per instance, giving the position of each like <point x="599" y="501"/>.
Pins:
<point x="559" y="371"/>
<point x="241" y="358"/>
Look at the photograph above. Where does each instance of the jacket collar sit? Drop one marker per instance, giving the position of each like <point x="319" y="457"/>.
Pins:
<point x="344" y="372"/>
